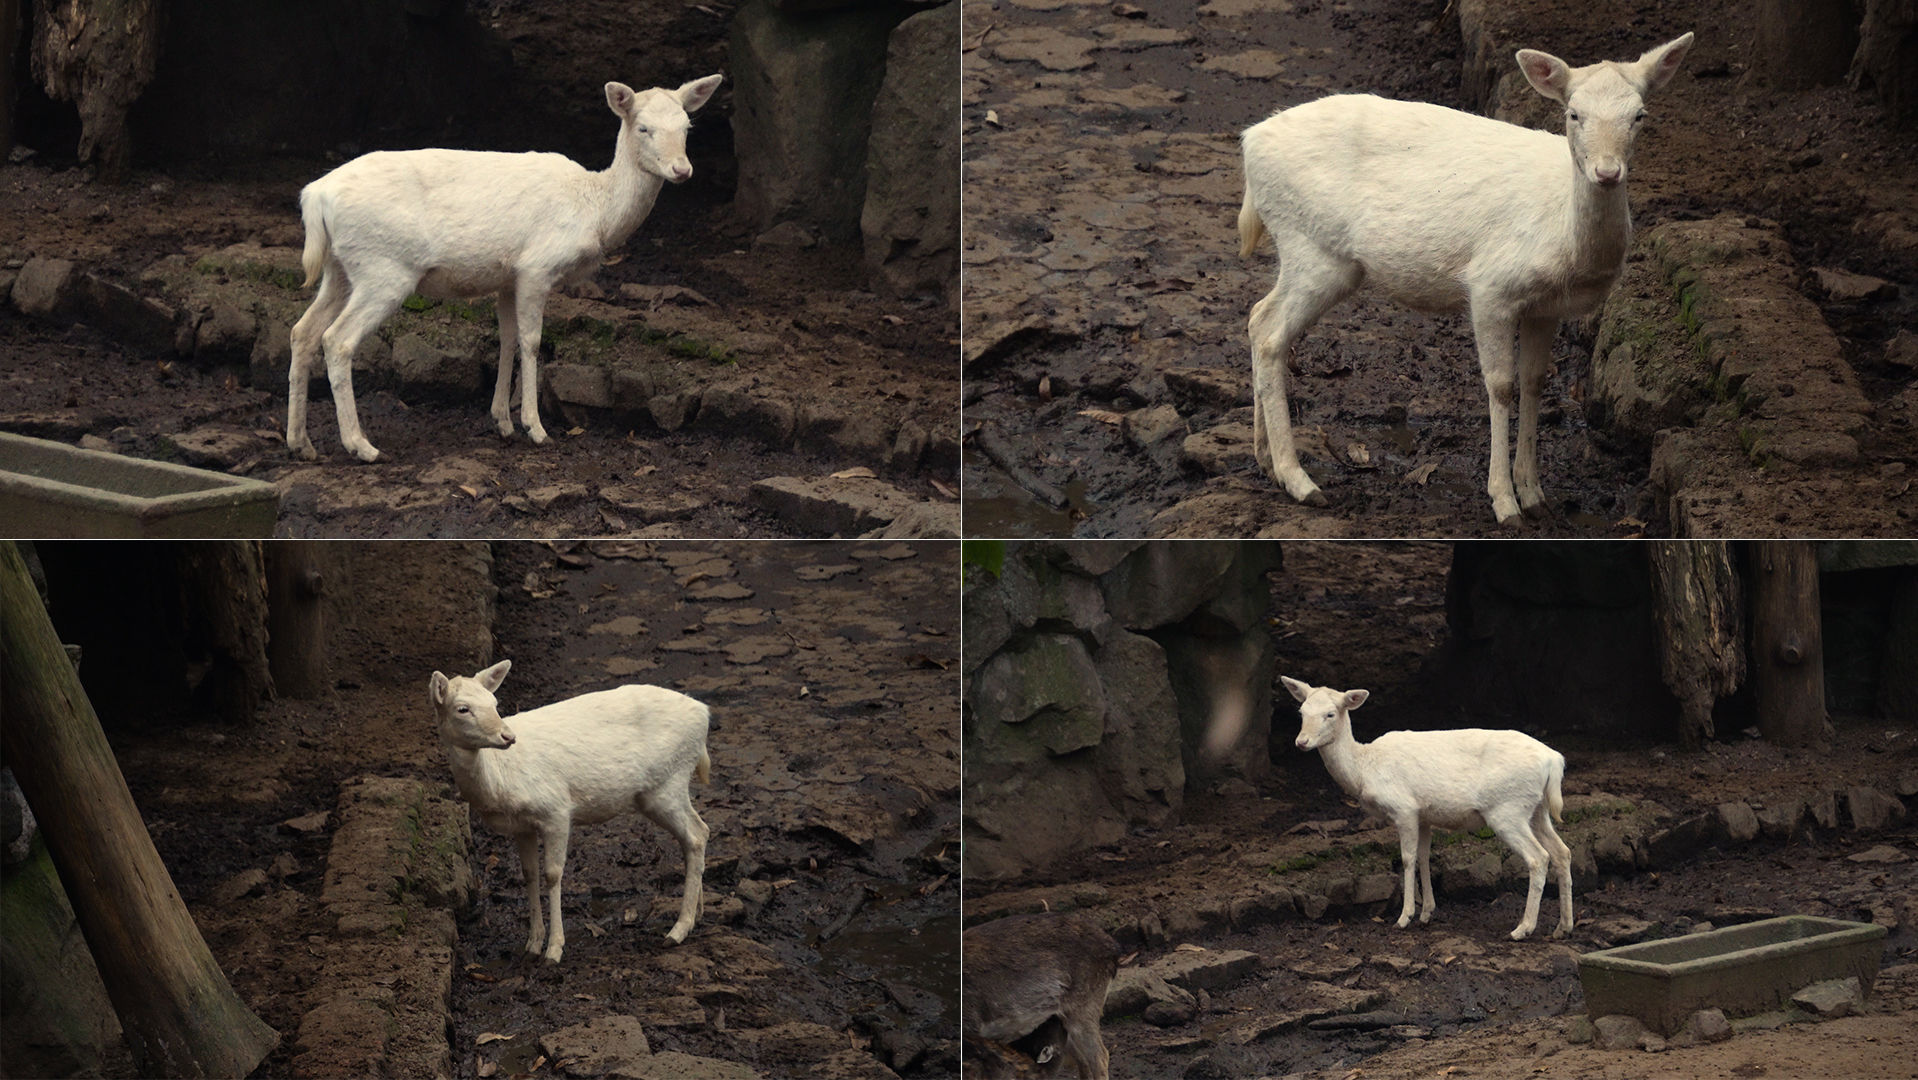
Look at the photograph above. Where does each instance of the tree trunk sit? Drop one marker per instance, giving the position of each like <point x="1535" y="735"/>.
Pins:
<point x="98" y="54"/>
<point x="296" y="617"/>
<point x="1887" y="57"/>
<point x="1701" y="628"/>
<point x="10" y="25"/>
<point x="1787" y="643"/>
<point x="179" y="1013"/>
<point x="223" y="601"/>
<point x="1804" y="43"/>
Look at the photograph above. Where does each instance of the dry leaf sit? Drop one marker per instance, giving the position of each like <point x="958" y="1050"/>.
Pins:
<point x="1629" y="523"/>
<point x="485" y="1069"/>
<point x="1423" y="473"/>
<point x="471" y="491"/>
<point x="1190" y="948"/>
<point x="893" y="320"/>
<point x="1357" y="454"/>
<point x="1045" y="388"/>
<point x="262" y="433"/>
<point x="481" y="976"/>
<point x="584" y="997"/>
<point x="805" y="691"/>
<point x="491" y="1037"/>
<point x="858" y="473"/>
<point x="577" y="431"/>
<point x="536" y="1064"/>
<point x="597" y="932"/>
<point x="629" y="916"/>
<point x="992" y="115"/>
<point x="1104" y="416"/>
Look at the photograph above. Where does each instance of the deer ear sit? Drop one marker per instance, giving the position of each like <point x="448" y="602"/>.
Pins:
<point x="437" y="687"/>
<point x="1657" y="66"/>
<point x="1547" y="73"/>
<point x="493" y="676"/>
<point x="1355" y="698"/>
<point x="619" y="97"/>
<point x="1298" y="689"/>
<point x="696" y="93"/>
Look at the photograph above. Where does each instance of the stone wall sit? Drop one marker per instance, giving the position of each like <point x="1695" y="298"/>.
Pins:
<point x="1102" y="676"/>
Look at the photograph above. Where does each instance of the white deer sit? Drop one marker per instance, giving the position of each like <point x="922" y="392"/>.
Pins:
<point x="581" y="761"/>
<point x="463" y="223"/>
<point x="1464" y="779"/>
<point x="1443" y="210"/>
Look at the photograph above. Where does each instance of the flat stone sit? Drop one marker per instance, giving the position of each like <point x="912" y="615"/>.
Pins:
<point x="1360" y="1021"/>
<point x="1134" y="988"/>
<point x="1871" y="809"/>
<point x="558" y="495"/>
<point x="1709" y="1025"/>
<point x="310" y="823"/>
<point x="1881" y="853"/>
<point x="1218" y="449"/>
<point x="1842" y="285"/>
<point x="831" y="506"/>
<point x="676" y="1011"/>
<point x="1149" y="427"/>
<point x="215" y="446"/>
<point x="1372" y="888"/>
<point x="1831" y="999"/>
<point x="576" y="384"/>
<point x="1333" y="969"/>
<point x="653" y="507"/>
<point x="675" y="1065"/>
<point x="1616" y="1032"/>
<point x="1168" y="1014"/>
<point x="605" y="1046"/>
<point x="46" y="288"/>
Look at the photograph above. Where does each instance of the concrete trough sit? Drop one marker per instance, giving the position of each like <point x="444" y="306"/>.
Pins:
<point x="1742" y="970"/>
<point x="51" y="490"/>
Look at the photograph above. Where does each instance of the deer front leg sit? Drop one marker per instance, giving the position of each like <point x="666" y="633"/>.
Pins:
<point x="1495" y="333"/>
<point x="528" y="843"/>
<point x="1534" y="357"/>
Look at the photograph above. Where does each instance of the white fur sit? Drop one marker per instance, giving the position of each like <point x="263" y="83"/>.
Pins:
<point x="583" y="760"/>
<point x="1444" y="210"/>
<point x="457" y="223"/>
<point x="1465" y="779"/>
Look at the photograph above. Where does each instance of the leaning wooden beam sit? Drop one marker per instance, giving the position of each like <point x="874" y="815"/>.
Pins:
<point x="179" y="1014"/>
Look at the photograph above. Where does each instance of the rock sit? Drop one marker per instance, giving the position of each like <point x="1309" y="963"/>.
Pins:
<point x="652" y="507"/>
<point x="1831" y="999"/>
<point x="1779" y="820"/>
<point x="1737" y="821"/>
<point x="560" y="496"/>
<point x="787" y="234"/>
<point x="1871" y="809"/>
<point x="1707" y="1025"/>
<point x="671" y="411"/>
<point x="1579" y="1030"/>
<point x="1204" y="387"/>
<point x="1823" y="807"/>
<point x="910" y="222"/>
<point x="91" y="441"/>
<point x="1651" y="1043"/>
<point x="1360" y="1021"/>
<point x="1168" y="1014"/>
<point x="676" y="1065"/>
<point x="214" y="446"/>
<point x="1372" y="888"/>
<point x="908" y="446"/>
<point x="47" y="288"/>
<point x="1844" y="286"/>
<point x="1902" y="349"/>
<point x="225" y="335"/>
<point x="754" y="891"/>
<point x="1050" y="688"/>
<point x="307" y="825"/>
<point x="679" y="1010"/>
<point x="125" y="315"/>
<point x="272" y="358"/>
<point x="605" y="1046"/>
<point x="1134" y="989"/>
<point x="1219" y="449"/>
<point x="420" y="365"/>
<point x="1208" y="969"/>
<point x="803" y="93"/>
<point x="238" y="885"/>
<point x="576" y="384"/>
<point x="921" y="521"/>
<point x="831" y="506"/>
<point x="1616" y="1032"/>
<point x="1146" y="428"/>
<point x="1882" y="853"/>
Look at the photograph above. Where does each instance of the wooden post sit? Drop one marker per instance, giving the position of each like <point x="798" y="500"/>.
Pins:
<point x="296" y="618"/>
<point x="1701" y="628"/>
<point x="98" y="54"/>
<point x="179" y="1013"/>
<point x="1788" y="653"/>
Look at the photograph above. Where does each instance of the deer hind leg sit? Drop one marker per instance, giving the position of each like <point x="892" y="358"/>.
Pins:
<point x="1516" y="831"/>
<point x="1310" y="282"/>
<point x="673" y="811"/>
<point x="327" y="304"/>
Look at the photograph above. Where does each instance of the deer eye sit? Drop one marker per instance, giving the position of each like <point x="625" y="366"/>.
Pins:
<point x="1572" y="116"/>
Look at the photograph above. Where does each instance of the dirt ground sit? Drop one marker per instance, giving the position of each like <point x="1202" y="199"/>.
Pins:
<point x="1102" y="276"/>
<point x="827" y="338"/>
<point x="834" y="786"/>
<point x="1472" y="1002"/>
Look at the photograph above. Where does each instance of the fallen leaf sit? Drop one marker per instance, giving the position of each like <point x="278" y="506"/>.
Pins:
<point x="481" y="976"/>
<point x="471" y="491"/>
<point x="538" y="1063"/>
<point x="1357" y="454"/>
<point x="577" y="431"/>
<point x="1104" y="416"/>
<point x="584" y="997"/>
<point x="857" y="473"/>
<point x="485" y="1069"/>
<point x="805" y="691"/>
<point x="263" y="433"/>
<point x="629" y="916"/>
<point x="893" y="320"/>
<point x="921" y="660"/>
<point x="1423" y="473"/>
<point x="1629" y="523"/>
<point x="492" y="1037"/>
<point x="1045" y="388"/>
<point x="1188" y="947"/>
<point x="992" y="115"/>
<point x="594" y="927"/>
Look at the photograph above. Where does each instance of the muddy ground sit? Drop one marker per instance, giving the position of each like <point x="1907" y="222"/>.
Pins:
<point x="1470" y="1002"/>
<point x="1102" y="276"/>
<point x="829" y="940"/>
<point x="819" y="335"/>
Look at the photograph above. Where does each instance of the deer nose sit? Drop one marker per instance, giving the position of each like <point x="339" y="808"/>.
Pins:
<point x="681" y="170"/>
<point x="505" y="738"/>
<point x="1609" y="175"/>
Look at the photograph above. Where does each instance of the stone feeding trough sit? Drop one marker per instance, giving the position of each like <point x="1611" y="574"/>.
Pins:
<point x="1740" y="969"/>
<point x="52" y="490"/>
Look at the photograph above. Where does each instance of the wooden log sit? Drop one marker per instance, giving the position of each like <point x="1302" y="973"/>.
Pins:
<point x="98" y="54"/>
<point x="179" y="1013"/>
<point x="1788" y="653"/>
<point x="223" y="598"/>
<point x="296" y="617"/>
<point x="1700" y="615"/>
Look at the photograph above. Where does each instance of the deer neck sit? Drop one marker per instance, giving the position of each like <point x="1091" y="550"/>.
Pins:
<point x="1344" y="758"/>
<point x="1600" y="225"/>
<point x="627" y="193"/>
<point x="477" y="773"/>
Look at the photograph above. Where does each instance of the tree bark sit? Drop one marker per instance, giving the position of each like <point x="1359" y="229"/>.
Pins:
<point x="223" y="600"/>
<point x="179" y="1013"/>
<point x="296" y="617"/>
<point x="1701" y="628"/>
<point x="1887" y="57"/>
<point x="1804" y="43"/>
<point x="1788" y="651"/>
<point x="98" y="54"/>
